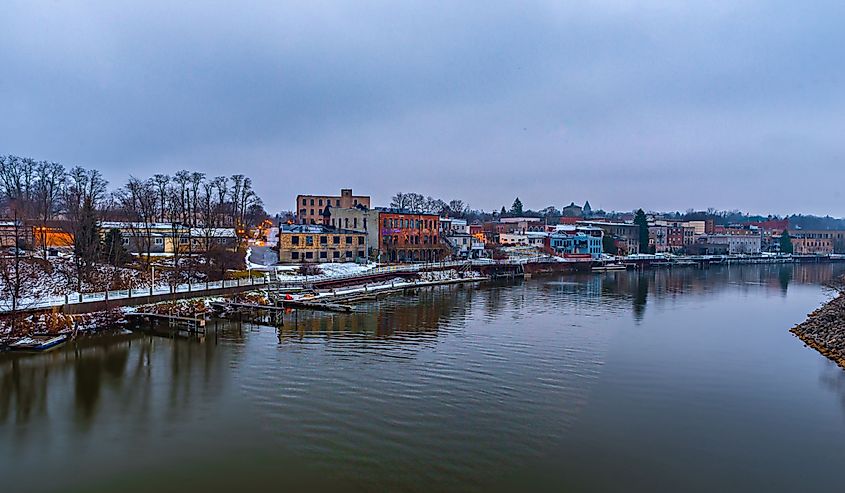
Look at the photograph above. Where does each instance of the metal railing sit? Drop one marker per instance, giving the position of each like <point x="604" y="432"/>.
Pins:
<point x="200" y="287"/>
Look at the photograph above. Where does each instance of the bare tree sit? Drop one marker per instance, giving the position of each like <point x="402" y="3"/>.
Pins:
<point x="197" y="180"/>
<point x="237" y="189"/>
<point x="139" y="200"/>
<point x="11" y="272"/>
<point x="457" y="208"/>
<point x="50" y="180"/>
<point x="182" y="180"/>
<point x="161" y="183"/>
<point x="221" y="186"/>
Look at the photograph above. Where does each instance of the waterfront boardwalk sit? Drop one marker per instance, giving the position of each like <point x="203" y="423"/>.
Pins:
<point x="77" y="303"/>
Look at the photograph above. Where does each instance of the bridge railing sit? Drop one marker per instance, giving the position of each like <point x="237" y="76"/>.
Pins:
<point x="118" y="294"/>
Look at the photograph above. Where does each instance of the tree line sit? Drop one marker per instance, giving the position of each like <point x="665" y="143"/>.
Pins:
<point x="43" y="191"/>
<point x="47" y="193"/>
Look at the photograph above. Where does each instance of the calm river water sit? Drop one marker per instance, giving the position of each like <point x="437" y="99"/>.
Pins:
<point x="684" y="380"/>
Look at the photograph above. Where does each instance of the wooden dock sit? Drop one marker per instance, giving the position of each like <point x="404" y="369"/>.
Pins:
<point x="178" y="322"/>
<point x="250" y="306"/>
<point x="316" y="305"/>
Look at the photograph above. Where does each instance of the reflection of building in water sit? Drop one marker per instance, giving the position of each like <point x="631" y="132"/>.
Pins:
<point x="816" y="273"/>
<point x="393" y="316"/>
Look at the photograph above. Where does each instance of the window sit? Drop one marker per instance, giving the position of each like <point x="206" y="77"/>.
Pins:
<point x="335" y="254"/>
<point x="125" y="241"/>
<point x="309" y="240"/>
<point x="312" y="203"/>
<point x="365" y="224"/>
<point x="304" y="201"/>
<point x="361" y="253"/>
<point x="348" y="240"/>
<point x="337" y="202"/>
<point x="345" y="222"/>
<point x="159" y="241"/>
<point x="309" y="254"/>
<point x="355" y="222"/>
<point x="348" y="254"/>
<point x="183" y="240"/>
<point x="385" y="223"/>
<point x="294" y="240"/>
<point x="360" y="240"/>
<point x="324" y="240"/>
<point x="324" y="254"/>
<point x="336" y="240"/>
<point x="320" y="202"/>
<point x="312" y="210"/>
<point x="294" y="255"/>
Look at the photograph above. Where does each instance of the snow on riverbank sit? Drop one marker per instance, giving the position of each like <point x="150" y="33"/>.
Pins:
<point x="425" y="278"/>
<point x="338" y="269"/>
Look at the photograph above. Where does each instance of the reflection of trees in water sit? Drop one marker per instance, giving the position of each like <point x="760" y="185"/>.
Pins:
<point x="124" y="367"/>
<point x="23" y="390"/>
<point x="659" y="285"/>
<point x="784" y="277"/>
<point x="641" y="296"/>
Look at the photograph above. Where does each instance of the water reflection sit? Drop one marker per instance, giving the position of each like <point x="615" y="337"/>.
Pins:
<point x="462" y="382"/>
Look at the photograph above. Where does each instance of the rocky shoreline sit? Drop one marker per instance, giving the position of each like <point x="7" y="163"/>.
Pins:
<point x="824" y="330"/>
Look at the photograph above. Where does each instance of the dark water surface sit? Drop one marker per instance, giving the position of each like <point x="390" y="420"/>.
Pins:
<point x="683" y="380"/>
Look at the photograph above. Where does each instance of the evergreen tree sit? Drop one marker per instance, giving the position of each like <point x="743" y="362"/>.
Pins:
<point x="785" y="243"/>
<point x="641" y="221"/>
<point x="516" y="208"/>
<point x="503" y="212"/>
<point x="608" y="245"/>
<point x="114" y="252"/>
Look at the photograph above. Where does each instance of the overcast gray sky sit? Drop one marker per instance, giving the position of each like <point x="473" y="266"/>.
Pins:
<point x="654" y="104"/>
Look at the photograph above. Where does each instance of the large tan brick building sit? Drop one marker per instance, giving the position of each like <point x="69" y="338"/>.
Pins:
<point x="307" y="243"/>
<point x="309" y="208"/>
<point x="812" y="246"/>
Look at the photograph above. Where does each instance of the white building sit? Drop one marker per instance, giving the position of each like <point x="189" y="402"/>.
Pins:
<point x="738" y="244"/>
<point x="513" y="239"/>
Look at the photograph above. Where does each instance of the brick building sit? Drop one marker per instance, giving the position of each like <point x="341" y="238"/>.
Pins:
<point x="406" y="236"/>
<point x="811" y="245"/>
<point x="836" y="237"/>
<point x="307" y="243"/>
<point x="309" y="208"/>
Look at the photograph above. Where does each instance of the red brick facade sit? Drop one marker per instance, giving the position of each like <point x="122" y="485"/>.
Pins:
<point x="408" y="237"/>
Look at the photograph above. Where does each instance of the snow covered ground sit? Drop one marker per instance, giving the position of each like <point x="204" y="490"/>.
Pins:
<point x="337" y="269"/>
<point x="426" y="278"/>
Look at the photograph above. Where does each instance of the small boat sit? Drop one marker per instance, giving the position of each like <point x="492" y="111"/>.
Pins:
<point x="609" y="268"/>
<point x="38" y="343"/>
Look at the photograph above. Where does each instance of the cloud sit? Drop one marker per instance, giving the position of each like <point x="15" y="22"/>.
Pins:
<point x="627" y="104"/>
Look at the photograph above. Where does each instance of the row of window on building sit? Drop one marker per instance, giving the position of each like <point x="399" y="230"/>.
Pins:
<point x="328" y="202"/>
<point x="410" y="223"/>
<point x="308" y="240"/>
<point x="324" y="255"/>
<point x="410" y="239"/>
